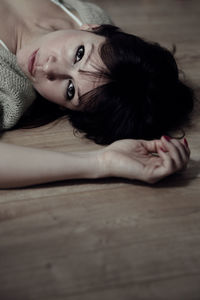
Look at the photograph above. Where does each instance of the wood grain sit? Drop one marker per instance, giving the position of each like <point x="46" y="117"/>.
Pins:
<point x="110" y="238"/>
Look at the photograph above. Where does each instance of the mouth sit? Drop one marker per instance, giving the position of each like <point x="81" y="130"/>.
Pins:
<point x="31" y="62"/>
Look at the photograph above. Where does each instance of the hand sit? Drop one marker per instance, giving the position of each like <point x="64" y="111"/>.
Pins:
<point x="149" y="161"/>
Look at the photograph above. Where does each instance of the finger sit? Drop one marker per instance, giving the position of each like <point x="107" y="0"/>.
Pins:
<point x="185" y="143"/>
<point x="182" y="145"/>
<point x="152" y="146"/>
<point x="180" y="148"/>
<point x="186" y="148"/>
<point x="183" y="151"/>
<point x="176" y="152"/>
<point x="168" y="162"/>
<point x="174" y="157"/>
<point x="166" y="168"/>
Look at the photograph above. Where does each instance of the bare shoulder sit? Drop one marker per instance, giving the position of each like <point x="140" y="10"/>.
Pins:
<point x="45" y="13"/>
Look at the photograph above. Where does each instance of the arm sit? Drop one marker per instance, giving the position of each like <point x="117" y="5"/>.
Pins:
<point x="133" y="159"/>
<point x="24" y="166"/>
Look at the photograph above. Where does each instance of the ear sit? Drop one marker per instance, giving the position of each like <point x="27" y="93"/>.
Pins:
<point x="89" y="27"/>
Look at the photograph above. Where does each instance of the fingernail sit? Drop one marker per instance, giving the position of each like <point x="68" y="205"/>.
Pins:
<point x="185" y="142"/>
<point x="167" y="138"/>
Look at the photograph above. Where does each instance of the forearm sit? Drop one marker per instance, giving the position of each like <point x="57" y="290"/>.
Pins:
<point x="133" y="159"/>
<point x="23" y="166"/>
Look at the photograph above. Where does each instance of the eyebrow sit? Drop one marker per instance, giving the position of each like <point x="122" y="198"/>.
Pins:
<point x="87" y="60"/>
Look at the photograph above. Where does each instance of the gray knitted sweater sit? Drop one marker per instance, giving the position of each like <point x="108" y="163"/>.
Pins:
<point x="16" y="91"/>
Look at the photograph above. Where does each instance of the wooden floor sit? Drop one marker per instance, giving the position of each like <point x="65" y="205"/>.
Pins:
<point x="109" y="239"/>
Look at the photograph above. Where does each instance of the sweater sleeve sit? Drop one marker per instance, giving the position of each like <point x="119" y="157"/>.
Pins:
<point x="16" y="91"/>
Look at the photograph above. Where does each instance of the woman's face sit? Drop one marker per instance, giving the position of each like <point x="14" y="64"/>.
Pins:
<point x="53" y="61"/>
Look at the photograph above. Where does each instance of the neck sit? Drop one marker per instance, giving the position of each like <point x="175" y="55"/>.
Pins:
<point x="31" y="19"/>
<point x="26" y="32"/>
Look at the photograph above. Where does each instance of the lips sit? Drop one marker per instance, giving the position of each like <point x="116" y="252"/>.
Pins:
<point x="31" y="62"/>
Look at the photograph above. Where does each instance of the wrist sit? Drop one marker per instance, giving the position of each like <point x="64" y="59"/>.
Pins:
<point x="91" y="164"/>
<point x="105" y="158"/>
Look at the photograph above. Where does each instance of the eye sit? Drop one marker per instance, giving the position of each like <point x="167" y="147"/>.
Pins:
<point x="79" y="53"/>
<point x="70" y="91"/>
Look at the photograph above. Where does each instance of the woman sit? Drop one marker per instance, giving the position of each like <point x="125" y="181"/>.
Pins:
<point x="47" y="50"/>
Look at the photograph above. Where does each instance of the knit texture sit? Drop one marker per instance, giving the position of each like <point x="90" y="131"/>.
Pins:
<point x="16" y="90"/>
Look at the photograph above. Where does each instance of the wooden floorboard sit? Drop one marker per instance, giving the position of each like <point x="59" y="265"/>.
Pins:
<point x="111" y="239"/>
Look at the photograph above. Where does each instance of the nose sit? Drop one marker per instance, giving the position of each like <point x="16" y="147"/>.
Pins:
<point x="53" y="68"/>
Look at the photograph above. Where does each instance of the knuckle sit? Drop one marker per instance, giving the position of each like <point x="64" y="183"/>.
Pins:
<point x="175" y="142"/>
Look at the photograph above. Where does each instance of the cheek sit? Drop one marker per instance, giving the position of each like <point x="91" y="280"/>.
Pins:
<point x="52" y="91"/>
<point x="56" y="41"/>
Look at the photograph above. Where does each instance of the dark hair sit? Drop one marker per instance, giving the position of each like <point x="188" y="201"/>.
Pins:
<point x="143" y="97"/>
